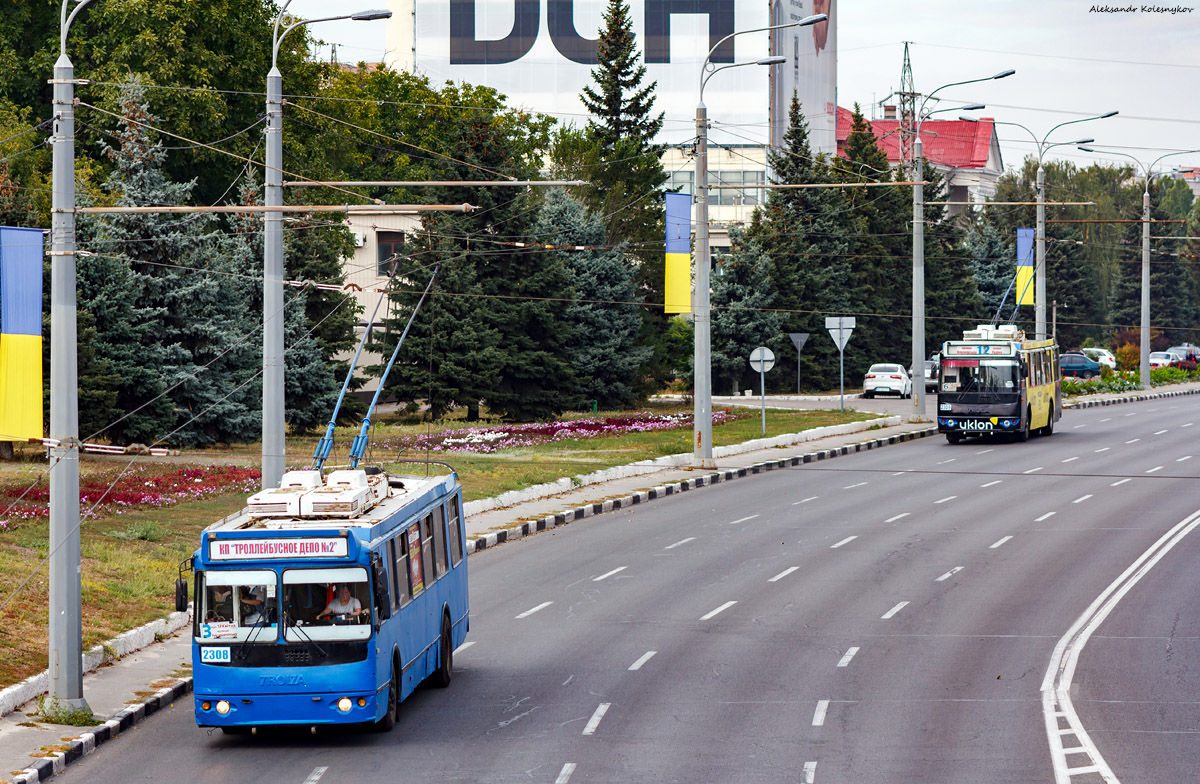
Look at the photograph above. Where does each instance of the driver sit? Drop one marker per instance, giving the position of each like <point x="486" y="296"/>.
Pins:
<point x="341" y="604"/>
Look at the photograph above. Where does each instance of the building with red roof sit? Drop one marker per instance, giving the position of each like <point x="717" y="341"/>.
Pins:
<point x="966" y="153"/>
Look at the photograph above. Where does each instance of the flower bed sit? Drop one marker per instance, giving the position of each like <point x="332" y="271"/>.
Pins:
<point x="144" y="486"/>
<point x="483" y="440"/>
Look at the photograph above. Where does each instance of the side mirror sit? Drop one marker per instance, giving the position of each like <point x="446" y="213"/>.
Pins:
<point x="383" y="601"/>
<point x="181" y="595"/>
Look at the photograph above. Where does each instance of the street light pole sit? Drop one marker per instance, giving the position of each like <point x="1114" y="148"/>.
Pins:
<point x="918" y="253"/>
<point x="273" y="423"/>
<point x="66" y="593"/>
<point x="702" y="339"/>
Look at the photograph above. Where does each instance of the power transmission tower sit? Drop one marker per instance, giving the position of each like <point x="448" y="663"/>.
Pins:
<point x="908" y="116"/>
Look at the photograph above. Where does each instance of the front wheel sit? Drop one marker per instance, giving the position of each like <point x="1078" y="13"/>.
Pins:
<point x="393" y="699"/>
<point x="1023" y="433"/>
<point x="445" y="671"/>
<point x="954" y="438"/>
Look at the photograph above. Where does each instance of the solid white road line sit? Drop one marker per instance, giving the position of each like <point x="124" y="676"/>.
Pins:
<point x="647" y="656"/>
<point x="1082" y="498"/>
<point x="1185" y="457"/>
<point x="606" y="575"/>
<point x="947" y="498"/>
<point x="720" y="609"/>
<point x="819" y="713"/>
<point x="1119" y="482"/>
<point x="993" y="482"/>
<point x="1030" y="471"/>
<point x="316" y="775"/>
<point x="530" y="612"/>
<point x="1002" y="541"/>
<point x="783" y="574"/>
<point x="594" y="722"/>
<point x="806" y="500"/>
<point x="1156" y="468"/>
<point x="849" y="655"/>
<point x="897" y="517"/>
<point x="464" y="646"/>
<point x="890" y="613"/>
<point x="1046" y="516"/>
<point x="810" y="773"/>
<point x="743" y="519"/>
<point x="564" y="775"/>
<point x="847" y="540"/>
<point x="681" y="541"/>
<point x="949" y="574"/>
<point x="851" y="487"/>
<point x="1069" y="459"/>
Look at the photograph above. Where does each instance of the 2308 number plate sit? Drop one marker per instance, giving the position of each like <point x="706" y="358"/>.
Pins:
<point x="212" y="654"/>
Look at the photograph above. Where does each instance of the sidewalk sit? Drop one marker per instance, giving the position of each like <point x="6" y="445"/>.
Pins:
<point x="139" y="683"/>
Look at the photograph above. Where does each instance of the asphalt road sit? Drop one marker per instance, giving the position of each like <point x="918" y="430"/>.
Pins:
<point x="885" y="617"/>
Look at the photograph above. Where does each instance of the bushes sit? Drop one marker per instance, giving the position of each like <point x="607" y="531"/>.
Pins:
<point x="1125" y="381"/>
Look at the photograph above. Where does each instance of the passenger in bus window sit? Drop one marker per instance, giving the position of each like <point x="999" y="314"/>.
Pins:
<point x="252" y="598"/>
<point x="341" y="604"/>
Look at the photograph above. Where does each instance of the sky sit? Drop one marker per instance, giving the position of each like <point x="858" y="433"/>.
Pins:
<point x="1073" y="60"/>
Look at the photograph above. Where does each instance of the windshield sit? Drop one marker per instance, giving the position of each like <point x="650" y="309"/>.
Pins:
<point x="980" y="377"/>
<point x="326" y="604"/>
<point x="237" y="605"/>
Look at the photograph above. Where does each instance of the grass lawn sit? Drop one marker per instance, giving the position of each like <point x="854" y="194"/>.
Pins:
<point x="132" y="545"/>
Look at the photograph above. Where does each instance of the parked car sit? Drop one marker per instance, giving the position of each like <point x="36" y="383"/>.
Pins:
<point x="885" y="379"/>
<point x="1078" y="365"/>
<point x="1101" y="355"/>
<point x="1160" y="359"/>
<point x="1190" y="351"/>
<point x="931" y="375"/>
<point x="1182" y="358"/>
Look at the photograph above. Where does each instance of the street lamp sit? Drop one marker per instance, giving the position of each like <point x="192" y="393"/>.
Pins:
<point x="918" y="285"/>
<point x="702" y="359"/>
<point x="1039" y="273"/>
<point x="1148" y="173"/>
<point x="273" y="449"/>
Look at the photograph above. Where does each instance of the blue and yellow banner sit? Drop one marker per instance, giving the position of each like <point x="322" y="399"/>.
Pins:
<point x="1025" y="266"/>
<point x="678" y="290"/>
<point x="21" y="252"/>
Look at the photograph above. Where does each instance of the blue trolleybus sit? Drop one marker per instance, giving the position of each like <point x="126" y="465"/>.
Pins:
<point x="329" y="599"/>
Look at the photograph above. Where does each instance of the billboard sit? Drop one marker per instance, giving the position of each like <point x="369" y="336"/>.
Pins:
<point x="811" y="71"/>
<point x="540" y="53"/>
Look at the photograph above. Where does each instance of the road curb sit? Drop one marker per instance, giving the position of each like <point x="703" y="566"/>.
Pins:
<point x="56" y="762"/>
<point x="1130" y="398"/>
<point x="573" y="514"/>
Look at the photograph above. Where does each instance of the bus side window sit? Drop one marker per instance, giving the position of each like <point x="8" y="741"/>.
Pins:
<point x="439" y="540"/>
<point x="401" y="590"/>
<point x="456" y="546"/>
<point x="413" y="551"/>
<point x="427" y="549"/>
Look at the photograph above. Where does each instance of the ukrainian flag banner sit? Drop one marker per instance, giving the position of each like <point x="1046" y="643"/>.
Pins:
<point x="1025" y="266"/>
<point x="21" y="252"/>
<point x="678" y="288"/>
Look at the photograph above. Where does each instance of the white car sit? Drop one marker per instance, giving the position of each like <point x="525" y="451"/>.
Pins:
<point x="1160" y="359"/>
<point x="1101" y="355"/>
<point x="884" y="379"/>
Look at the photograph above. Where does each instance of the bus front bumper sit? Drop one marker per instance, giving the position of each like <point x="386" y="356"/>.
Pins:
<point x="260" y="710"/>
<point x="969" y="425"/>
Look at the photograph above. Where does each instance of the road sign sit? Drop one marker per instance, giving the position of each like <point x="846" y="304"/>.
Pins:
<point x="840" y="328"/>
<point x="762" y="359"/>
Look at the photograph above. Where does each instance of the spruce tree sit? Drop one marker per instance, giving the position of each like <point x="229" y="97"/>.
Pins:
<point x="621" y="108"/>
<point x="743" y="315"/>
<point x="952" y="301"/>
<point x="992" y="263"/>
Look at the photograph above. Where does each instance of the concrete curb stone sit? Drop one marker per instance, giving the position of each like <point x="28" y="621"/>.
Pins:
<point x="1112" y="401"/>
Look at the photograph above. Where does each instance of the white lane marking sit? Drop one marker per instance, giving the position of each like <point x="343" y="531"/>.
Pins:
<point x="943" y="462"/>
<point x="1119" y="482"/>
<point x="993" y="482"/>
<point x="681" y="541"/>
<point x="1002" y="541"/>
<point x="847" y="540"/>
<point x="900" y="473"/>
<point x="949" y="574"/>
<point x="316" y="775"/>
<point x="606" y="575"/>
<point x="1056" y="686"/>
<point x="1152" y="470"/>
<point x="893" y="611"/>
<point x="897" y="517"/>
<point x="1133" y="441"/>
<point x="594" y="722"/>
<point x="806" y="500"/>
<point x="1131" y="413"/>
<point x="984" y="451"/>
<point x="1082" y="498"/>
<point x="849" y="655"/>
<point x="1076" y="427"/>
<point x="1104" y="449"/>
<point x="947" y="498"/>
<point x="1030" y="471"/>
<point x="1046" y="516"/>
<point x="637" y="665"/>
<point x="464" y="646"/>
<point x="530" y="612"/>
<point x="743" y="519"/>
<point x="720" y="609"/>
<point x="1185" y="457"/>
<point x="1159" y="432"/>
<point x="819" y="713"/>
<point x="851" y="487"/>
<point x="783" y="574"/>
<point x="810" y="772"/>
<point x="1069" y="459"/>
<point x="1106" y="419"/>
<point x="1189" y="424"/>
<point x="564" y="775"/>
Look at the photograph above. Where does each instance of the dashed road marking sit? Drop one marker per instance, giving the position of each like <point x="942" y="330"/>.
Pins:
<point x="1002" y="541"/>
<point x="896" y="517"/>
<point x="819" y="713"/>
<point x="947" y="498"/>
<point x="1152" y="470"/>
<point x="1133" y="441"/>
<point x="647" y="656"/>
<point x="1104" y="449"/>
<point x="715" y="612"/>
<point x="606" y="575"/>
<point x="783" y="574"/>
<point x="949" y="574"/>
<point x="744" y="519"/>
<point x="849" y="655"/>
<point x="464" y="646"/>
<point x="1185" y="457"/>
<point x="1046" y="516"/>
<point x="531" y="611"/>
<point x="1070" y="459"/>
<point x="681" y="541"/>
<point x="847" y="540"/>
<point x="1082" y="498"/>
<point x="1030" y="471"/>
<point x="1159" y="432"/>
<point x="806" y="500"/>
<point x="1119" y="482"/>
<point x="851" y="487"/>
<point x="890" y="613"/>
<point x="316" y="775"/>
<point x="564" y="775"/>
<point x="984" y="451"/>
<point x="594" y="722"/>
<point x="993" y="482"/>
<point x="810" y="773"/>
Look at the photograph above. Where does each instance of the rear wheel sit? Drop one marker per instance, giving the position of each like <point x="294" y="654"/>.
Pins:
<point x="445" y="671"/>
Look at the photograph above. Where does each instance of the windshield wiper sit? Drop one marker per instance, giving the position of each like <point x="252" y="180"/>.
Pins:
<point x="243" y="651"/>
<point x="296" y="625"/>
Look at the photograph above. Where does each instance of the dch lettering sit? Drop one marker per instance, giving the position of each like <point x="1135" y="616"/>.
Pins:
<point x="466" y="49"/>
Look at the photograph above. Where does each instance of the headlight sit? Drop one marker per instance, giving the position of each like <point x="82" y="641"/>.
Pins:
<point x="223" y="708"/>
<point x="344" y="704"/>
